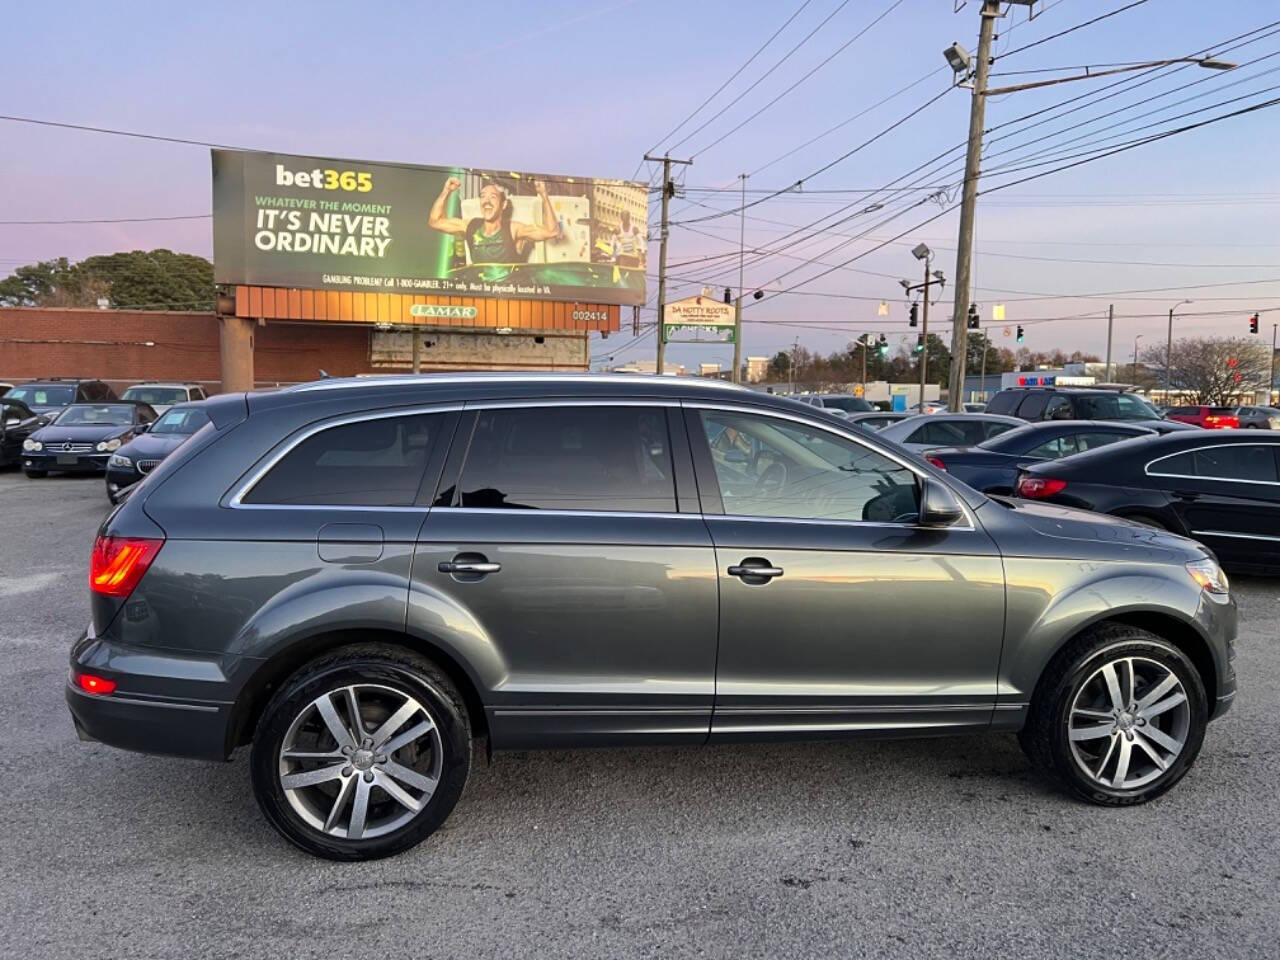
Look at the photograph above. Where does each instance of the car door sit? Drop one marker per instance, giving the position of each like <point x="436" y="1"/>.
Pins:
<point x="839" y="614"/>
<point x="567" y="540"/>
<point x="1227" y="497"/>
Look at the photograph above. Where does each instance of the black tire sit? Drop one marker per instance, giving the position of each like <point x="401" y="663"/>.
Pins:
<point x="36" y="474"/>
<point x="1045" y="740"/>
<point x="386" y="668"/>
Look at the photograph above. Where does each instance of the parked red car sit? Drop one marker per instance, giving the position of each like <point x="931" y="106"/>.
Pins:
<point x="1211" y="418"/>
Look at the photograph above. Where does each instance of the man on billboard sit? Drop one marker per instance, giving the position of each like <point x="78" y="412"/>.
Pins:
<point x="494" y="237"/>
<point x="626" y="243"/>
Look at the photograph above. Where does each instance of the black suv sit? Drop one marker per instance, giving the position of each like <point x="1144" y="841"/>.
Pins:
<point x="52" y="395"/>
<point x="1078" y="403"/>
<point x="364" y="579"/>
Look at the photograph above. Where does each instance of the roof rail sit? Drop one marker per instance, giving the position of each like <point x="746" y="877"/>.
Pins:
<point x="400" y="380"/>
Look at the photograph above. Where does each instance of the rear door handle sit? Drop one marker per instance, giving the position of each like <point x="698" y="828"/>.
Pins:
<point x="755" y="570"/>
<point x="1186" y="495"/>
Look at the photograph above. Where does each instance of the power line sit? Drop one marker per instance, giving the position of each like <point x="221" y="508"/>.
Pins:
<point x="807" y="37"/>
<point x="720" y="89"/>
<point x="1078" y="26"/>
<point x="190" y="216"/>
<point x="844" y="46"/>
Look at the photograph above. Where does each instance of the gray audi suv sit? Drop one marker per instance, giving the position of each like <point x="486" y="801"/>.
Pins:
<point x="361" y="580"/>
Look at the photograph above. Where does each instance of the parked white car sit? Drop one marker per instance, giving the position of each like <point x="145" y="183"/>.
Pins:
<point x="947" y="429"/>
<point x="161" y="396"/>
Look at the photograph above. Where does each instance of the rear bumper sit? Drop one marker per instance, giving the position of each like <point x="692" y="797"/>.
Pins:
<point x="163" y="703"/>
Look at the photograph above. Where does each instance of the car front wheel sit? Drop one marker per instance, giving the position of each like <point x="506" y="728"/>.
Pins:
<point x="362" y="754"/>
<point x="1118" y="717"/>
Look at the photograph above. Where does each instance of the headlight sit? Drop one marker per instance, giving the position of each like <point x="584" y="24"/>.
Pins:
<point x="106" y="445"/>
<point x="1209" y="575"/>
<point x="118" y="460"/>
<point x="32" y="445"/>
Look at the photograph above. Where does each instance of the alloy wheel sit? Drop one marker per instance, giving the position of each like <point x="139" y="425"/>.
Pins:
<point x="1128" y="723"/>
<point x="361" y="761"/>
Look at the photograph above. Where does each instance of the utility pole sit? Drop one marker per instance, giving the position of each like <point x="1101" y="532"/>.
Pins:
<point x="417" y="349"/>
<point x="924" y="332"/>
<point x="737" y="308"/>
<point x="968" y="204"/>
<point x="668" y="188"/>
<point x="1111" y="319"/>
<point x="982" y="377"/>
<point x="863" y="341"/>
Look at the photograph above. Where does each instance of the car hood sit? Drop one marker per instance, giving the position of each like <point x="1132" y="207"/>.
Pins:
<point x="1068" y="523"/>
<point x="153" y="446"/>
<point x="55" y="433"/>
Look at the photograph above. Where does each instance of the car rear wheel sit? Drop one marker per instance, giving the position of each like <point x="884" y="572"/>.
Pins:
<point x="362" y="754"/>
<point x="1118" y="718"/>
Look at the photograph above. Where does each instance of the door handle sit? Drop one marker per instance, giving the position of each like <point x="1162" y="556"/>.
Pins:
<point x="468" y="566"/>
<point x="755" y="569"/>
<point x="1186" y="495"/>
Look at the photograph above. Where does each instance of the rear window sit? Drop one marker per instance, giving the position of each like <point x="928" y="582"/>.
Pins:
<point x="571" y="458"/>
<point x="1222" y="411"/>
<point x="953" y="433"/>
<point x="1005" y="402"/>
<point x="372" y="463"/>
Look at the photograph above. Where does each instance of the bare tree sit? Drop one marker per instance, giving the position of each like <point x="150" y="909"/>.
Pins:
<point x="1214" y="370"/>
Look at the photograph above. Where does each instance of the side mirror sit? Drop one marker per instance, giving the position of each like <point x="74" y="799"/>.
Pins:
<point x="938" y="506"/>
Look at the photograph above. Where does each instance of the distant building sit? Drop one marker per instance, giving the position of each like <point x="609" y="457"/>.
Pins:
<point x="757" y="369"/>
<point x="708" y="369"/>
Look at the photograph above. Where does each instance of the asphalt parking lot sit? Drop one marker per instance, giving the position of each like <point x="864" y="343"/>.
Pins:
<point x="909" y="848"/>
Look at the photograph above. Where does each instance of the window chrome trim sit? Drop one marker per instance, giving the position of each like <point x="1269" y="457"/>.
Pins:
<point x="626" y="514"/>
<point x="1212" y="446"/>
<point x="588" y="402"/>
<point x="849" y="433"/>
<point x="968" y="528"/>
<point x="1234" y="536"/>
<point x="236" y="501"/>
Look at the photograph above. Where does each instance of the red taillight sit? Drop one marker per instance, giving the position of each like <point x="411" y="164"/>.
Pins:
<point x="118" y="563"/>
<point x="936" y="462"/>
<point x="91" y="684"/>
<point x="1037" y="488"/>
<point x="1214" y="422"/>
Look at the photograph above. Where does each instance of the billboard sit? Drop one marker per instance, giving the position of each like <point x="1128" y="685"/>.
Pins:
<point x="323" y="224"/>
<point x="700" y="314"/>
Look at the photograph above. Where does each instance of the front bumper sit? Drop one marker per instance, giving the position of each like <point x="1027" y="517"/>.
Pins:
<point x="164" y="702"/>
<point x="65" y="462"/>
<point x="121" y="478"/>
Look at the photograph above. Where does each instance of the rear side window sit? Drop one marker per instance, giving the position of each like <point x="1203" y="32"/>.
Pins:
<point x="571" y="458"/>
<point x="1004" y="402"/>
<point x="1237" y="463"/>
<point x="942" y="433"/>
<point x="987" y="429"/>
<point x="370" y="463"/>
<point x="1058" y="408"/>
<point x="1032" y="407"/>
<point x="1055" y="448"/>
<point x="1091" y="441"/>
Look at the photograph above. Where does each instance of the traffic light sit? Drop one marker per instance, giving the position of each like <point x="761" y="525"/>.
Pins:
<point x="919" y="342"/>
<point x="728" y="295"/>
<point x="883" y="346"/>
<point x="1253" y="324"/>
<point x="915" y="316"/>
<point x="973" y="316"/>
<point x="1021" y="335"/>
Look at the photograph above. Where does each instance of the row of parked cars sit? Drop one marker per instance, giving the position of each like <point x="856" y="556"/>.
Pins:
<point x="82" y="426"/>
<point x="1200" y="472"/>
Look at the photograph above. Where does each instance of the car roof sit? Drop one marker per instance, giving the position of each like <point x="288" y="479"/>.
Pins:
<point x="904" y="427"/>
<point x="58" y="382"/>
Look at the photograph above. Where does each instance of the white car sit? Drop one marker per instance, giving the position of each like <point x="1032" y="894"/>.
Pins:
<point x="161" y="396"/>
<point x="947" y="429"/>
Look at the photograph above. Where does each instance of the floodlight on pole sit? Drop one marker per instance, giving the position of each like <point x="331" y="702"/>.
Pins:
<point x="921" y="252"/>
<point x="959" y="59"/>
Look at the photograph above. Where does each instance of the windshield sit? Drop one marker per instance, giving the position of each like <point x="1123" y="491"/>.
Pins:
<point x="848" y="404"/>
<point x="165" y="396"/>
<point x="184" y="421"/>
<point x="92" y="414"/>
<point x="42" y="396"/>
<point x="1120" y="406"/>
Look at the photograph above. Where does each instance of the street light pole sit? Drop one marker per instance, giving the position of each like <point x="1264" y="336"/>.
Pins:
<point x="924" y="328"/>
<point x="668" y="188"/>
<point x="1133" y="369"/>
<point x="1168" y="350"/>
<point x="1271" y="379"/>
<point x="737" y="310"/>
<point x="968" y="205"/>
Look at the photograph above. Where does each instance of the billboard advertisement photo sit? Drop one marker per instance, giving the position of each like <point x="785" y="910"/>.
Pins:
<point x="323" y="224"/>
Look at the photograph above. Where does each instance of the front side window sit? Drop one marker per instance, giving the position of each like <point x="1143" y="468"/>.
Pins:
<point x="615" y="458"/>
<point x="370" y="463"/>
<point x="1058" y="408"/>
<point x="767" y="467"/>
<point x="1119" y="406"/>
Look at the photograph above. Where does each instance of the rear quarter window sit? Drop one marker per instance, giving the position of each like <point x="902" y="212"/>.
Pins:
<point x="1032" y="408"/>
<point x="1004" y="402"/>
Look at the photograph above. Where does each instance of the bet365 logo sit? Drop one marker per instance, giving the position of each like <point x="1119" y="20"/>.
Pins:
<point x="349" y="180"/>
